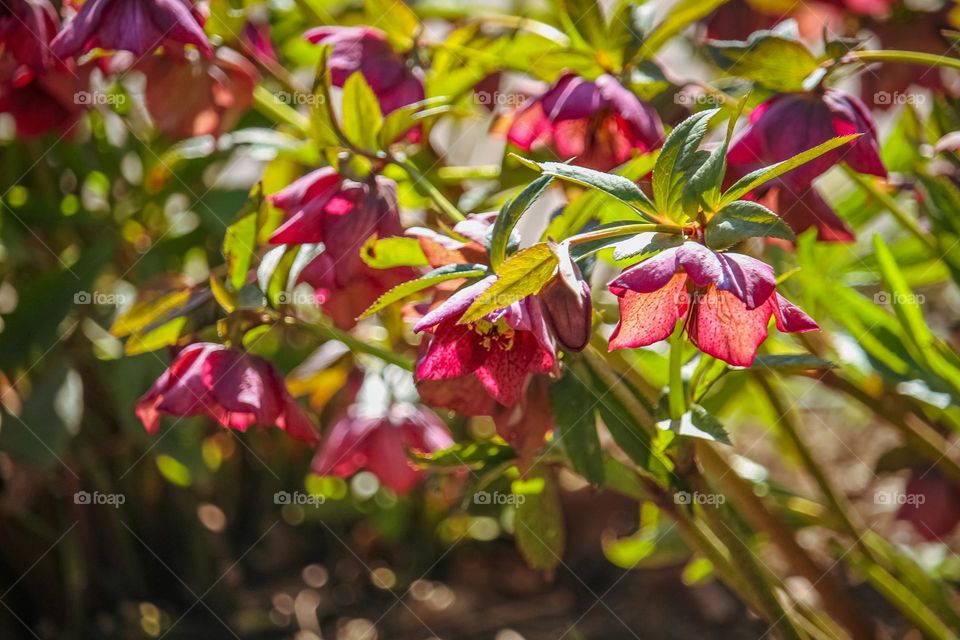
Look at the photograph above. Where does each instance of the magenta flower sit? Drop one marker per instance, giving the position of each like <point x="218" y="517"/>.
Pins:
<point x="138" y="26"/>
<point x="232" y="387"/>
<point x="322" y="206"/>
<point x="726" y="299"/>
<point x="41" y="103"/>
<point x="600" y="123"/>
<point x="26" y="29"/>
<point x="789" y="124"/>
<point x="492" y="359"/>
<point x="931" y="505"/>
<point x="803" y="209"/>
<point x="380" y="445"/>
<point x="368" y="51"/>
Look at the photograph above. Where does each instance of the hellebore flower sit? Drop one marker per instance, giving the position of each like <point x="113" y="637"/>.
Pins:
<point x="726" y="299"/>
<point x="221" y="91"/>
<point x="368" y="51"/>
<point x="138" y="26"/>
<point x="41" y="103"/>
<point x="496" y="356"/>
<point x="600" y="123"/>
<point x="932" y="504"/>
<point x="323" y="206"/>
<point x="379" y="445"/>
<point x="232" y="387"/>
<point x="26" y="29"/>
<point x="789" y="124"/>
<point x="804" y="208"/>
<point x="568" y="310"/>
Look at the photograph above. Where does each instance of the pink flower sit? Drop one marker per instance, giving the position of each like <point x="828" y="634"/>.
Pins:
<point x="932" y="504"/>
<point x="41" y="102"/>
<point x="726" y="299"/>
<point x="368" y="51"/>
<point x="789" y="124"/>
<point x="138" y="26"/>
<point x="221" y="91"/>
<point x="600" y="123"/>
<point x="494" y="357"/>
<point x="232" y="387"/>
<point x="26" y="29"/>
<point x="380" y="445"/>
<point x="322" y="206"/>
<point x="804" y="208"/>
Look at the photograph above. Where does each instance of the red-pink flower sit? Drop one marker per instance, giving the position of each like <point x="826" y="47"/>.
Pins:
<point x="26" y="29"/>
<point x="804" y="208"/>
<point x="492" y="359"/>
<point x="368" y="51"/>
<point x="791" y="123"/>
<point x="232" y="387"/>
<point x="599" y="123"/>
<point x="726" y="299"/>
<point x="931" y="504"/>
<point x="343" y="214"/>
<point x="41" y="102"/>
<point x="138" y="26"/>
<point x="380" y="445"/>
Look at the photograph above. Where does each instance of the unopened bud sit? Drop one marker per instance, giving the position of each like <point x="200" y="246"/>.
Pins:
<point x="568" y="312"/>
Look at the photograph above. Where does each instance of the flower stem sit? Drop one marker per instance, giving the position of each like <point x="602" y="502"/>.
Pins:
<point x="625" y="230"/>
<point x="677" y="397"/>
<point x="906" y="220"/>
<point x="908" y="57"/>
<point x="267" y="104"/>
<point x="421" y="181"/>
<point x="353" y="343"/>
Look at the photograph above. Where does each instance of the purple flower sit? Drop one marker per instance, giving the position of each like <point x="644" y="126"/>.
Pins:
<point x="26" y="29"/>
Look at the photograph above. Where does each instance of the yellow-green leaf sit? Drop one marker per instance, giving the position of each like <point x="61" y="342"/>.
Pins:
<point x="522" y="274"/>
<point x="362" y="118"/>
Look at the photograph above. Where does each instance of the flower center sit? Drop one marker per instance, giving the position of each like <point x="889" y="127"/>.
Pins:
<point x="494" y="334"/>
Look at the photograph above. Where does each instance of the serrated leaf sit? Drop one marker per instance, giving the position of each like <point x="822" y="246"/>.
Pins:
<point x="676" y="160"/>
<point x="774" y="60"/>
<point x="754" y="179"/>
<point x="522" y="274"/>
<point x="744" y="219"/>
<point x="438" y="275"/>
<point x="576" y="426"/>
<point x="362" y="118"/>
<point x="538" y="526"/>
<point x="157" y="338"/>
<point x="510" y="215"/>
<point x="239" y="244"/>
<point x="144" y="314"/>
<point x="623" y="189"/>
<point x="697" y="423"/>
<point x="644" y="244"/>
<point x="386" y="253"/>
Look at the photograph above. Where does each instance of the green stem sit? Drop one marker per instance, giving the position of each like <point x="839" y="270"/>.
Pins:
<point x="908" y="57"/>
<point x="354" y="343"/>
<point x="906" y="220"/>
<point x="625" y="230"/>
<point x="419" y="179"/>
<point x="677" y="397"/>
<point x="267" y="104"/>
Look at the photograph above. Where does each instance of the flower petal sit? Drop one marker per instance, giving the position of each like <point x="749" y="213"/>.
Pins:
<point x="722" y="326"/>
<point x="646" y="318"/>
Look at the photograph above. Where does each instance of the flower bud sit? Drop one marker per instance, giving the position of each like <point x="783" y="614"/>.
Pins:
<point x="568" y="311"/>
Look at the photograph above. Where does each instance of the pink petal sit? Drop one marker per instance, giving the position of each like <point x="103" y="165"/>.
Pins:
<point x="646" y="318"/>
<point x="722" y="326"/>
<point x="790" y="318"/>
<point x="455" y="350"/>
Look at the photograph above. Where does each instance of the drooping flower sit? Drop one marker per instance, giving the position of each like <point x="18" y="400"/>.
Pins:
<point x="368" y="51"/>
<point x="343" y="214"/>
<point x="568" y="309"/>
<point x="221" y="91"/>
<point x="791" y="123"/>
<point x="379" y="444"/>
<point x="26" y="29"/>
<point x="232" y="387"/>
<point x="726" y="300"/>
<point x="138" y="26"/>
<point x="931" y="504"/>
<point x="805" y="208"/>
<point x="599" y="123"/>
<point x="41" y="103"/>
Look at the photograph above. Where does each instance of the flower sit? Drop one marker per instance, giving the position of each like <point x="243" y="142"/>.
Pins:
<point x="726" y="299"/>
<point x="789" y="124"/>
<point x="368" y="51"/>
<point x="495" y="356"/>
<point x="804" y="209"/>
<point x="600" y="123"/>
<point x="931" y="504"/>
<point x="221" y="91"/>
<point x="232" y="387"/>
<point x="379" y="444"/>
<point x="41" y="103"/>
<point x="26" y="29"/>
<point x="138" y="26"/>
<point x="568" y="310"/>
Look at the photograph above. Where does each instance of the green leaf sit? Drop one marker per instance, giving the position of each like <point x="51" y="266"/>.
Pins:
<point x="396" y="19"/>
<point x="572" y="404"/>
<point x="522" y="274"/>
<point x="510" y="215"/>
<point x="157" y="338"/>
<point x="362" y="118"/>
<point x="697" y="423"/>
<point x="754" y="179"/>
<point x="681" y="15"/>
<point x="148" y="312"/>
<point x="538" y="525"/>
<point x="677" y="157"/>
<point x="770" y="58"/>
<point x="584" y="19"/>
<point x="621" y="188"/>
<point x="239" y="245"/>
<point x="323" y="123"/>
<point x="792" y="362"/>
<point x="744" y="219"/>
<point x="472" y="455"/>
<point x="438" y="275"/>
<point x="385" y="253"/>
